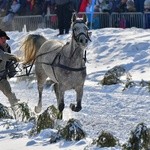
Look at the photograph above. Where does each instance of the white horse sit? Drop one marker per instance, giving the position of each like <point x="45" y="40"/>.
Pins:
<point x="63" y="64"/>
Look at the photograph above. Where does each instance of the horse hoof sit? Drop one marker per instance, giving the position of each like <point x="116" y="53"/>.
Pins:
<point x="37" y="109"/>
<point x="61" y="107"/>
<point x="74" y="108"/>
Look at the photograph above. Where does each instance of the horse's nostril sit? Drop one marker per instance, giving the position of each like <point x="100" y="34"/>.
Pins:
<point x="86" y="40"/>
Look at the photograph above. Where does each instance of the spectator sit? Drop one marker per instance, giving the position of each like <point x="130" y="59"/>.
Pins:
<point x="147" y="13"/>
<point x="22" y="10"/>
<point x="84" y="4"/>
<point x="64" y="10"/>
<point x="147" y="6"/>
<point x="3" y="4"/>
<point x="48" y="9"/>
<point x="49" y="4"/>
<point x="30" y="7"/>
<point x="77" y="4"/>
<point x="115" y="5"/>
<point x="130" y="6"/>
<point x="93" y="21"/>
<point x="122" y="6"/>
<point x="139" y="5"/>
<point x="7" y="20"/>
<point x="106" y="6"/>
<point x="5" y="58"/>
<point x="98" y="5"/>
<point x="121" y="22"/>
<point x="38" y="7"/>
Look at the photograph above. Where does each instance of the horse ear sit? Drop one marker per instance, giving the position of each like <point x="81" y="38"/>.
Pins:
<point x="74" y="17"/>
<point x="85" y="18"/>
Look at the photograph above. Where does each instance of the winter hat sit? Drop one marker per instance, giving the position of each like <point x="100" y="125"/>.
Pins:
<point x="147" y="4"/>
<point x="3" y="34"/>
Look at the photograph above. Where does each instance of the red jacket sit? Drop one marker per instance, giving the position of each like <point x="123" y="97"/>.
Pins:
<point x="83" y="5"/>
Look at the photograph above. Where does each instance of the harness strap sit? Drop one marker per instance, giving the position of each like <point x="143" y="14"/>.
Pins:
<point x="69" y="68"/>
<point x="85" y="59"/>
<point x="65" y="67"/>
<point x="28" y="72"/>
<point x="53" y="64"/>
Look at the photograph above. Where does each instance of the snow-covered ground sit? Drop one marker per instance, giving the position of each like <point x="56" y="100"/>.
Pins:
<point x="105" y="108"/>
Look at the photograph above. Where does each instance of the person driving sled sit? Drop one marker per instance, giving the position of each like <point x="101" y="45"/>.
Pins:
<point x="7" y="69"/>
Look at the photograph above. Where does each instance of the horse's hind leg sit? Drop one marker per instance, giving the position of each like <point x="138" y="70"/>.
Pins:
<point x="41" y="78"/>
<point x="77" y="107"/>
<point x="60" y="100"/>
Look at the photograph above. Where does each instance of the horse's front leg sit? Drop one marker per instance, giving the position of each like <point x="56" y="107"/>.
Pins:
<point x="60" y="100"/>
<point x="77" y="107"/>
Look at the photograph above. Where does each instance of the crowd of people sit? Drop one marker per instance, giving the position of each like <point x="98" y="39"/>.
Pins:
<point x="40" y="7"/>
<point x="65" y="8"/>
<point x="118" y="6"/>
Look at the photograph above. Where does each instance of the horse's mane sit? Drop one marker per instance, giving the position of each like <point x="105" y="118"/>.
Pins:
<point x="30" y="45"/>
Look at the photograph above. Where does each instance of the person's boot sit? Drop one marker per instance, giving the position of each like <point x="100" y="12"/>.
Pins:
<point x="66" y="31"/>
<point x="61" y="32"/>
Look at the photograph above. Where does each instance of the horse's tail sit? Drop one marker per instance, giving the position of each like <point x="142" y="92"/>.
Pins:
<point x="30" y="46"/>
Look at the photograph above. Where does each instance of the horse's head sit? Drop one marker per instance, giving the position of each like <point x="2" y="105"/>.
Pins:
<point x="80" y="30"/>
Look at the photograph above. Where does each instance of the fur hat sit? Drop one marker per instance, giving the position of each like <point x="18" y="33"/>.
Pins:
<point x="3" y="34"/>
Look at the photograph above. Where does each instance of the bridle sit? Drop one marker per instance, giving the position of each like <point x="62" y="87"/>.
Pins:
<point x="77" y="37"/>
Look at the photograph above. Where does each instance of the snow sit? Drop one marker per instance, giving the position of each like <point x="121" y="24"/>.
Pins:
<point x="105" y="108"/>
